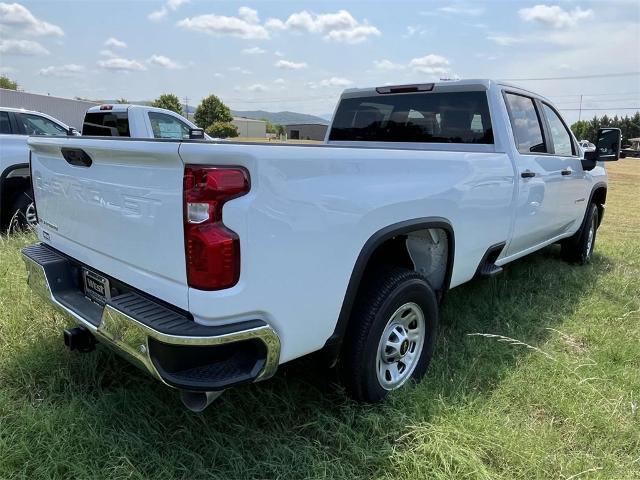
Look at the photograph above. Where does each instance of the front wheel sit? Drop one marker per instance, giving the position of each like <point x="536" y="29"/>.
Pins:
<point x="391" y="335"/>
<point x="579" y="248"/>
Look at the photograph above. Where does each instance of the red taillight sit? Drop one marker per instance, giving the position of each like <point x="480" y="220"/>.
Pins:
<point x="212" y="250"/>
<point x="106" y="107"/>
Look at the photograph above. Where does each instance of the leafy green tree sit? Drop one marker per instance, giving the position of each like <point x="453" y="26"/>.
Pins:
<point x="280" y="130"/>
<point x="6" y="82"/>
<point x="222" y="130"/>
<point x="122" y="100"/>
<point x="212" y="110"/>
<point x="588" y="129"/>
<point x="168" y="101"/>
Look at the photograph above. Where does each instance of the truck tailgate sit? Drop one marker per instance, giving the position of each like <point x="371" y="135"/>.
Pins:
<point x="119" y="210"/>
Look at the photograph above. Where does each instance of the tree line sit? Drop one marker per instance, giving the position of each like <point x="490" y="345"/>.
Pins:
<point x="588" y="129"/>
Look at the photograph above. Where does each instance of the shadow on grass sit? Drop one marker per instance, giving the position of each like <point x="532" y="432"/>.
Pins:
<point x="296" y="425"/>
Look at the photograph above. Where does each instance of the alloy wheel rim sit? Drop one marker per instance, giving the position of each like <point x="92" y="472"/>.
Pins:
<point x="400" y="346"/>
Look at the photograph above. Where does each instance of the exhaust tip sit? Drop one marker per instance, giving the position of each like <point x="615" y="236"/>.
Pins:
<point x="198" y="401"/>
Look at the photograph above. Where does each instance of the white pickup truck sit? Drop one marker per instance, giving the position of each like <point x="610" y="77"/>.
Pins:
<point x="138" y="121"/>
<point x="209" y="264"/>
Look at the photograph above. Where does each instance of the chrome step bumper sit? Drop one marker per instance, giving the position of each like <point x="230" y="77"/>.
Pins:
<point x="162" y="341"/>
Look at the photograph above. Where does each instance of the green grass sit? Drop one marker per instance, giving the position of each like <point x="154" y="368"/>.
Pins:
<point x="561" y="402"/>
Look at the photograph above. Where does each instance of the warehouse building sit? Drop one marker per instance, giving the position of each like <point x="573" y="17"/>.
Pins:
<point x="306" y="131"/>
<point x="250" y="128"/>
<point x="66" y="110"/>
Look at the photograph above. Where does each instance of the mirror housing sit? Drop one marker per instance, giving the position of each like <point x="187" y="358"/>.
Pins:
<point x="72" y="132"/>
<point x="608" y="146"/>
<point x="196" y="134"/>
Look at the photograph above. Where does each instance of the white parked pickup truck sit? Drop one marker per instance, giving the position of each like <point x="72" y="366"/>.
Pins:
<point x="138" y="121"/>
<point x="209" y="264"/>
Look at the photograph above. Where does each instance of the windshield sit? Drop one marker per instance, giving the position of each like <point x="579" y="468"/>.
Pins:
<point x="451" y="117"/>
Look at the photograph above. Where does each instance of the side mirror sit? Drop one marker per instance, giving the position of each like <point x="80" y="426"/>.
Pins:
<point x="608" y="146"/>
<point x="196" y="134"/>
<point x="72" y="132"/>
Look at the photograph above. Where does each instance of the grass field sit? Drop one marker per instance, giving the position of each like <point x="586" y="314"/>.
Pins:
<point x="561" y="402"/>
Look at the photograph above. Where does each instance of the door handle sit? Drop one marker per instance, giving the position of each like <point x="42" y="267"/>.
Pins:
<point x="567" y="172"/>
<point x="528" y="174"/>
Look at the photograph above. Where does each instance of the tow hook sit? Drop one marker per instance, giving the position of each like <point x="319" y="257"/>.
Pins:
<point x="80" y="339"/>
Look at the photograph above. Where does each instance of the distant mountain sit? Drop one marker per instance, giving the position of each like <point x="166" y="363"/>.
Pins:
<point x="281" y="118"/>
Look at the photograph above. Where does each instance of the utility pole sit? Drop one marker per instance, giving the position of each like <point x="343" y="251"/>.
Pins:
<point x="580" y="110"/>
<point x="186" y="107"/>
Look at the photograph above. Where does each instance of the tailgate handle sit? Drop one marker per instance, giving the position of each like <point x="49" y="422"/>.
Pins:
<point x="77" y="157"/>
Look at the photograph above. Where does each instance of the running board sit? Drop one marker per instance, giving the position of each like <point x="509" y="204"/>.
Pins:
<point x="487" y="267"/>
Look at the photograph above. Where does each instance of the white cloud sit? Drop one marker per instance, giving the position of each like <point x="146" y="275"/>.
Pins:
<point x="121" y="64"/>
<point x="278" y="53"/>
<point x="504" y="40"/>
<point x="279" y="81"/>
<point x="241" y="70"/>
<point x="108" y="53"/>
<point x="430" y="64"/>
<point x="416" y="31"/>
<point x="462" y="10"/>
<point x="17" y="17"/>
<point x="164" y="62"/>
<point x="335" y="82"/>
<point x="244" y="26"/>
<point x="170" y="6"/>
<point x="554" y="16"/>
<point x="114" y="43"/>
<point x="340" y="26"/>
<point x="258" y="87"/>
<point x="248" y="14"/>
<point x="288" y="65"/>
<point x="218" y="75"/>
<point x="387" y="65"/>
<point x="22" y="47"/>
<point x="253" y="51"/>
<point x="69" y="70"/>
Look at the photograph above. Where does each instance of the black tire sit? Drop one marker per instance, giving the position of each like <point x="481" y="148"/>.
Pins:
<point x="579" y="248"/>
<point x="21" y="210"/>
<point x="381" y="297"/>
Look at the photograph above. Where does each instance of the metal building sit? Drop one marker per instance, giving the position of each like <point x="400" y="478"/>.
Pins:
<point x="66" y="110"/>
<point x="249" y="127"/>
<point x="306" y="131"/>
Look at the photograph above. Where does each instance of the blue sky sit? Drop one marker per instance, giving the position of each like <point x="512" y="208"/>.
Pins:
<point x="299" y="55"/>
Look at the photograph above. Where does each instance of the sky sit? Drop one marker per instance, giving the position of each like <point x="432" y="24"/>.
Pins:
<point x="299" y="55"/>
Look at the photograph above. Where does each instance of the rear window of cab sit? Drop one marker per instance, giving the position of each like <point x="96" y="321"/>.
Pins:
<point x="106" y="124"/>
<point x="446" y="117"/>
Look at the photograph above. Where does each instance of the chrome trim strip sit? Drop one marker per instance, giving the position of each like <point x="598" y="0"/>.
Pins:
<point x="129" y="337"/>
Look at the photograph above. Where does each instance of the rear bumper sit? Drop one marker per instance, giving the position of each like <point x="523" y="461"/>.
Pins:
<point x="165" y="342"/>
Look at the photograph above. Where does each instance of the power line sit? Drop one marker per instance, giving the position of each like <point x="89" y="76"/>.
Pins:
<point x="608" y="109"/>
<point x="576" y="77"/>
<point x="593" y="94"/>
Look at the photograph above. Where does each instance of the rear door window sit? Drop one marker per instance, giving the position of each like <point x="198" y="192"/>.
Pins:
<point x="445" y="117"/>
<point x="525" y="123"/>
<point x="106" y="124"/>
<point x="168" y="126"/>
<point x="37" y="125"/>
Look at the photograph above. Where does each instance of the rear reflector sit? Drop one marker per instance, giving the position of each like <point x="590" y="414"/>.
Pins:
<point x="417" y="87"/>
<point x="212" y="251"/>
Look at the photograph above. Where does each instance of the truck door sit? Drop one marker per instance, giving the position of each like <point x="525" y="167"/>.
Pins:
<point x="573" y="192"/>
<point x="539" y="177"/>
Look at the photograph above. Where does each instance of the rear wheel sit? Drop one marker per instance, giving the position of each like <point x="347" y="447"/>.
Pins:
<point x="579" y="248"/>
<point x="23" y="215"/>
<point x="391" y="335"/>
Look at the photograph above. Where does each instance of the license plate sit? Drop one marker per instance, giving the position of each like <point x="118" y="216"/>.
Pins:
<point x="96" y="287"/>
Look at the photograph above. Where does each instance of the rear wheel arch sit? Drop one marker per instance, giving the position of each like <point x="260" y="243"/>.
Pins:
<point x="389" y="245"/>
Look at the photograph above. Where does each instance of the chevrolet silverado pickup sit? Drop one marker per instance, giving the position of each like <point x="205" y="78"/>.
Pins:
<point x="210" y="264"/>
